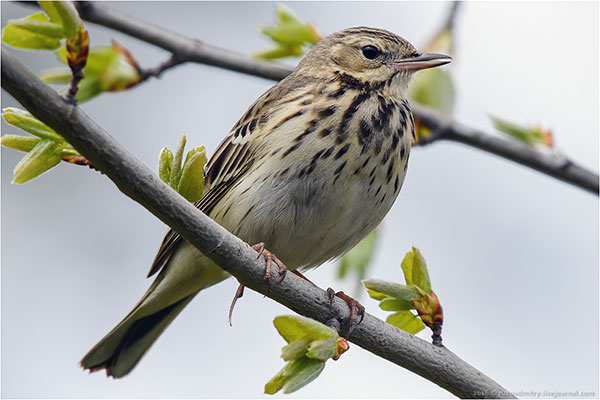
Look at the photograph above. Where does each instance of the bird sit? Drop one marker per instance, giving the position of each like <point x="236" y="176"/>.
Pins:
<point x="308" y="171"/>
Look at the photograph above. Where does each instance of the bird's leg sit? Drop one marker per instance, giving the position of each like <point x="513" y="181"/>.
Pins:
<point x="270" y="258"/>
<point x="238" y="294"/>
<point x="355" y="308"/>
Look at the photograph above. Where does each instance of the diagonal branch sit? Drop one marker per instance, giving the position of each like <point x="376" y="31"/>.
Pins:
<point x="186" y="49"/>
<point x="439" y="365"/>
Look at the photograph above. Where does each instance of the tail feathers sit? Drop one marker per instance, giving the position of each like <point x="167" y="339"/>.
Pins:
<point x="121" y="349"/>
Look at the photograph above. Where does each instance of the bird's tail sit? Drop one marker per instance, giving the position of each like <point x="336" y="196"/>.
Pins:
<point x="186" y="273"/>
<point x="123" y="347"/>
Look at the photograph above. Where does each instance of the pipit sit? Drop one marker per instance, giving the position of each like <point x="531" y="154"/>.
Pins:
<point x="310" y="169"/>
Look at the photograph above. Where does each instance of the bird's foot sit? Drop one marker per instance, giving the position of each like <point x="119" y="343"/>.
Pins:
<point x="270" y="258"/>
<point x="356" y="309"/>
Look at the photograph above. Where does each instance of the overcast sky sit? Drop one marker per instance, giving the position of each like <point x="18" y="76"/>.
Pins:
<point x="512" y="253"/>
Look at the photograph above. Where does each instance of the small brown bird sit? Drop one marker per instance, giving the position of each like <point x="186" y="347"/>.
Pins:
<point x="310" y="169"/>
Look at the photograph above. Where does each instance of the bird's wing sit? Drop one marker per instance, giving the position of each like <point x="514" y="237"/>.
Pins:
<point x="230" y="163"/>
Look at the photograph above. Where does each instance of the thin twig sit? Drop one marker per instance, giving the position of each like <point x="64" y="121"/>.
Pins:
<point x="155" y="72"/>
<point x="70" y="95"/>
<point x="439" y="365"/>
<point x="192" y="50"/>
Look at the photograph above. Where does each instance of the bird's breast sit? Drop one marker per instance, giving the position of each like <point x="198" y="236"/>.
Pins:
<point x="326" y="179"/>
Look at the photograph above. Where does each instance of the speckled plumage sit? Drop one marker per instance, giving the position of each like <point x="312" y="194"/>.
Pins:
<point x="310" y="169"/>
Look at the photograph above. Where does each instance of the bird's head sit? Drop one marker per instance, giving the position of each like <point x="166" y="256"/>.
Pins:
<point x="369" y="55"/>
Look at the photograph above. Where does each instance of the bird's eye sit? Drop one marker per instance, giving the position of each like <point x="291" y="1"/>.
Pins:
<point x="370" y="52"/>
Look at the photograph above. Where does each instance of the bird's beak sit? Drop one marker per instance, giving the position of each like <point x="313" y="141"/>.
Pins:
<point x="420" y="61"/>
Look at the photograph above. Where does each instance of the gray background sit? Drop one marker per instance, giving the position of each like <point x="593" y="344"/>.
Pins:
<point x="512" y="253"/>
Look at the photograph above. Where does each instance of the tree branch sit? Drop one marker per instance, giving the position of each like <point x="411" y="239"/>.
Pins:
<point x="444" y="127"/>
<point x="438" y="365"/>
<point x="191" y="50"/>
<point x="184" y="48"/>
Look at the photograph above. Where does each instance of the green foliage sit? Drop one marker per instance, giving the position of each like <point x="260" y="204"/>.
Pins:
<point x="65" y="14"/>
<point x="434" y="88"/>
<point x="44" y="151"/>
<point x="407" y="321"/>
<point x="19" y="34"/>
<point x="189" y="179"/>
<point x="415" y="270"/>
<point x="43" y="156"/>
<point x="530" y="135"/>
<point x="310" y="345"/>
<point x="357" y="260"/>
<point x="27" y="122"/>
<point x="291" y="35"/>
<point x="108" y="69"/>
<point x="39" y="31"/>
<point x="415" y="295"/>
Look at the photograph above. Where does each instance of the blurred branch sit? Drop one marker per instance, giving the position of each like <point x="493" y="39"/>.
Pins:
<point x="158" y="70"/>
<point x="451" y="17"/>
<point x="185" y="49"/>
<point x="555" y="165"/>
<point x="135" y="180"/>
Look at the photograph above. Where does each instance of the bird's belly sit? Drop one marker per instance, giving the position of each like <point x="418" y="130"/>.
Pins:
<point x="307" y="220"/>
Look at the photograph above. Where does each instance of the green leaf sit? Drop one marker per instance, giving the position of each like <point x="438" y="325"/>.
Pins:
<point x="289" y="34"/>
<point x="20" y="143"/>
<point x="176" y="166"/>
<point x="530" y="135"/>
<point x="415" y="270"/>
<point x="276" y="383"/>
<point x="66" y="12"/>
<point x="359" y="257"/>
<point x="59" y="75"/>
<point x="323" y="349"/>
<point x="99" y="59"/>
<point x="407" y="264"/>
<point x="39" y="25"/>
<point x="302" y="373"/>
<point x="420" y="276"/>
<point x="294" y="375"/>
<point x="50" y="9"/>
<point x="107" y="69"/>
<point x="20" y="38"/>
<point x="45" y="155"/>
<point x="290" y="30"/>
<point x="295" y="349"/>
<point x="165" y="160"/>
<point x="406" y="321"/>
<point x="310" y="345"/>
<point x="285" y="14"/>
<point x="434" y="88"/>
<point x="279" y="52"/>
<point x="293" y="328"/>
<point x="376" y="295"/>
<point x="192" y="176"/>
<point x="392" y="289"/>
<point x="27" y="122"/>
<point x="391" y="304"/>
<point x="68" y="150"/>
